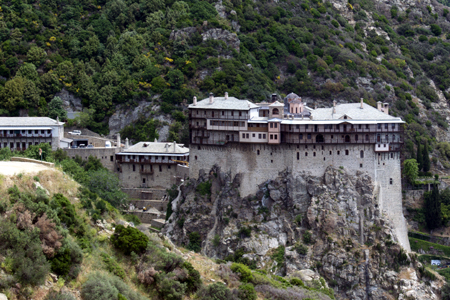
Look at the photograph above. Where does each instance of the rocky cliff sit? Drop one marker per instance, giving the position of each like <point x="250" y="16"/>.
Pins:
<point x="329" y="224"/>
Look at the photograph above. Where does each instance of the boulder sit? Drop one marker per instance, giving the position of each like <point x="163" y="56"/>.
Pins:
<point x="3" y="297"/>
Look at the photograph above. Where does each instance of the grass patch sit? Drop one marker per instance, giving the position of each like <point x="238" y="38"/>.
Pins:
<point x="417" y="244"/>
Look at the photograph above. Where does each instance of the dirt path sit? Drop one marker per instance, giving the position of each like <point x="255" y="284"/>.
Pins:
<point x="9" y="168"/>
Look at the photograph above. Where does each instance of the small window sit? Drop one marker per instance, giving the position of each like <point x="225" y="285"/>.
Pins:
<point x="367" y="126"/>
<point x="392" y="155"/>
<point x="257" y="152"/>
<point x="271" y="125"/>
<point x="346" y="152"/>
<point x="243" y="135"/>
<point x="300" y="136"/>
<point x="356" y="137"/>
<point x="359" y="126"/>
<point x="143" y="180"/>
<point x="276" y="125"/>
<point x="361" y="153"/>
<point x="314" y="154"/>
<point x="331" y="152"/>
<point x="271" y="161"/>
<point x="160" y="168"/>
<point x="253" y="135"/>
<point x="223" y="113"/>
<point x="298" y="155"/>
<point x="240" y="114"/>
<point x="306" y="153"/>
<point x="259" y="136"/>
<point x="168" y="166"/>
<point x="386" y="126"/>
<point x="379" y="126"/>
<point x="338" y="152"/>
<point x="306" y="127"/>
<point x="271" y="136"/>
<point x="134" y="168"/>
<point x="247" y="135"/>
<point x="276" y="136"/>
<point x="111" y="158"/>
<point x="309" y="136"/>
<point x="264" y="136"/>
<point x="390" y="181"/>
<point x="196" y="157"/>
<point x="393" y="125"/>
<point x="360" y="165"/>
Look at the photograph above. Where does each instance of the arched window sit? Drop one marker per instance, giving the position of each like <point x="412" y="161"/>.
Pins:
<point x="275" y="111"/>
<point x="320" y="138"/>
<point x="361" y="153"/>
<point x="347" y="139"/>
<point x="257" y="152"/>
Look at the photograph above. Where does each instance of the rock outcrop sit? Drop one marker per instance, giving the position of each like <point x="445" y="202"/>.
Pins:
<point x="331" y="224"/>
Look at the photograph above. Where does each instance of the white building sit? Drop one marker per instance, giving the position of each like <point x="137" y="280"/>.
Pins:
<point x="18" y="133"/>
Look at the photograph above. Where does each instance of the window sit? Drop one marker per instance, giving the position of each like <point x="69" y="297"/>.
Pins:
<point x="393" y="125"/>
<point x="213" y="114"/>
<point x="168" y="166"/>
<point x="259" y="136"/>
<point x="276" y="136"/>
<point x="360" y="165"/>
<point x="196" y="157"/>
<point x="306" y="127"/>
<point x="367" y="137"/>
<point x="240" y="114"/>
<point x="367" y="126"/>
<point x="309" y="136"/>
<point x="232" y="113"/>
<point x="143" y="180"/>
<point x="223" y="113"/>
<point x="361" y="154"/>
<point x="111" y="158"/>
<point x="271" y="136"/>
<point x="356" y="137"/>
<point x="387" y="138"/>
<point x="392" y="155"/>
<point x="346" y="152"/>
<point x="331" y="152"/>
<point x="379" y="126"/>
<point x="300" y="136"/>
<point x="257" y="152"/>
<point x="314" y="154"/>
<point x="306" y="153"/>
<point x="337" y="127"/>
<point x="264" y="136"/>
<point x="243" y="135"/>
<point x="276" y="125"/>
<point x="271" y="125"/>
<point x="332" y="136"/>
<point x="316" y="128"/>
<point x="253" y="135"/>
<point x="390" y="181"/>
<point x="134" y="168"/>
<point x="247" y="135"/>
<point x="386" y="126"/>
<point x="393" y="137"/>
<point x="160" y="168"/>
<point x="359" y="126"/>
<point x="298" y="155"/>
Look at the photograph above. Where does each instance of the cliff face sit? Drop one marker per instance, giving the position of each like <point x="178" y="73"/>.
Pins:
<point x="329" y="224"/>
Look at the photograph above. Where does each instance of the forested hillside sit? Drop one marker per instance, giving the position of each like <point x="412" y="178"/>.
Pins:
<point x="120" y="52"/>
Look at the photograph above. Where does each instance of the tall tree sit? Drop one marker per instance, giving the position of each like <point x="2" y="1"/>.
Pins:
<point x="410" y="169"/>
<point x="426" y="158"/>
<point x="55" y="109"/>
<point x="432" y="207"/>
<point x="419" y="157"/>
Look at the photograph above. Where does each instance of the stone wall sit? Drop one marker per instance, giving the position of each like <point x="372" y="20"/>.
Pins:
<point x="145" y="193"/>
<point x="107" y="156"/>
<point x="258" y="163"/>
<point x="23" y="159"/>
<point x="158" y="204"/>
<point x="163" y="176"/>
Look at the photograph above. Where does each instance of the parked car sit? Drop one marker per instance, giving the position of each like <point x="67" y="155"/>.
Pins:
<point x="75" y="132"/>
<point x="74" y="147"/>
<point x="90" y="146"/>
<point x="82" y="146"/>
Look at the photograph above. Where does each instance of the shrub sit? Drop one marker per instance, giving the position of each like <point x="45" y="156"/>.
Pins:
<point x="297" y="282"/>
<point x="204" y="188"/>
<point x="247" y="292"/>
<point x="307" y="237"/>
<point x="193" y="281"/>
<point x="216" y="291"/>
<point x="133" y="218"/>
<point x="67" y="259"/>
<point x="244" y="272"/>
<point x="129" y="240"/>
<point x="53" y="295"/>
<point x="301" y="249"/>
<point x="195" y="242"/>
<point x="170" y="289"/>
<point x="113" y="266"/>
<point x="100" y="286"/>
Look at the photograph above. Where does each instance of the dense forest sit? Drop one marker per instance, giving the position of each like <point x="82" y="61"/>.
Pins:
<point x="120" y="52"/>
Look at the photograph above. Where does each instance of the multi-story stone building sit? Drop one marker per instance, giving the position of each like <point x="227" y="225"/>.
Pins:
<point x="18" y="133"/>
<point x="258" y="140"/>
<point x="152" y="164"/>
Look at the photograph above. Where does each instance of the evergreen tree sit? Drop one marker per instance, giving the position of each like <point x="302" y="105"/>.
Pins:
<point x="419" y="157"/>
<point x="432" y="208"/>
<point x="426" y="163"/>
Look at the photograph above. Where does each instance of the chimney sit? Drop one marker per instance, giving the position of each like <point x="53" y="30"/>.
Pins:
<point x="362" y="101"/>
<point x="274" y="97"/>
<point x="211" y="98"/>
<point x="127" y="145"/>
<point x="379" y="105"/>
<point x="334" y="106"/>
<point x="195" y="101"/>
<point x="174" y="146"/>
<point x="226" y="95"/>
<point x="118" y="140"/>
<point x="386" y="108"/>
<point x="57" y="120"/>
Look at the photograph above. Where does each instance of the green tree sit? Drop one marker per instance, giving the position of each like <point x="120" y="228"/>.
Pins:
<point x="129" y="240"/>
<point x="36" y="55"/>
<point x="426" y="158"/>
<point x="28" y="71"/>
<point x="175" y="78"/>
<point x="419" y="158"/>
<point x="432" y="207"/>
<point x="410" y="169"/>
<point x="55" y="109"/>
<point x="107" y="186"/>
<point x="435" y="29"/>
<point x="12" y="94"/>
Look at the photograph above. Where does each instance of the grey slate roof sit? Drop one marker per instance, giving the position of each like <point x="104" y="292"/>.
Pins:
<point x="28" y="121"/>
<point x="353" y="111"/>
<point x="156" y="147"/>
<point x="222" y="103"/>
